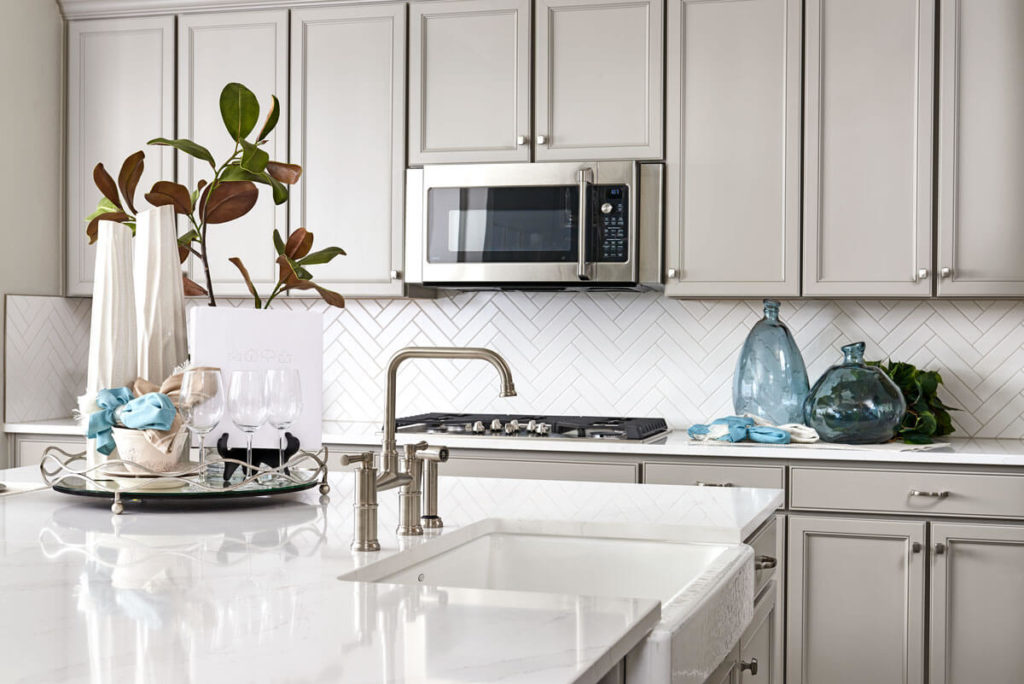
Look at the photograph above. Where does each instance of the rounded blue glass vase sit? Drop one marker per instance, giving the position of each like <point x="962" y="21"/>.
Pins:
<point x="770" y="379"/>
<point x="854" y="403"/>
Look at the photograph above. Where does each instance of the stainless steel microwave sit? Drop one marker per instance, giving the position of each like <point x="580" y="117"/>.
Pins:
<point x="541" y="225"/>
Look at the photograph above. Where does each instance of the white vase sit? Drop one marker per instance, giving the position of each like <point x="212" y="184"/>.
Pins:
<point x="112" y="336"/>
<point x="159" y="295"/>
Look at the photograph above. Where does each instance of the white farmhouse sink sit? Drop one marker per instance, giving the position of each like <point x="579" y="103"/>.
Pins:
<point x="706" y="590"/>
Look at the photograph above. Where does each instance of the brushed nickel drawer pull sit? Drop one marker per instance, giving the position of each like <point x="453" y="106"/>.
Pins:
<point x="765" y="563"/>
<point x="702" y="483"/>
<point x="933" y="495"/>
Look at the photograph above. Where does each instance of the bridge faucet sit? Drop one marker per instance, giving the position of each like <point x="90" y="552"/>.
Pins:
<point x="370" y="479"/>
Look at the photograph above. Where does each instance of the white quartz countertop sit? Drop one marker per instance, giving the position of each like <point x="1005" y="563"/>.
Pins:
<point x="249" y="592"/>
<point x="961" y="451"/>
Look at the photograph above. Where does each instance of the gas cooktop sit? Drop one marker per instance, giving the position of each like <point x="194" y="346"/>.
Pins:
<point x="534" y="426"/>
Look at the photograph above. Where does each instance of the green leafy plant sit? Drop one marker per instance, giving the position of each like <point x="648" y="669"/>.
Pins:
<point x="926" y="415"/>
<point x="230" y="194"/>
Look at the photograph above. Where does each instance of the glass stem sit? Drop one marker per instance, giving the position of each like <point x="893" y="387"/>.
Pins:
<point x="248" y="453"/>
<point x="280" y="447"/>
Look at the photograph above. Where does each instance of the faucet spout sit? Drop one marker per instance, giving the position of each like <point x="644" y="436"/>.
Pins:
<point x="388" y="469"/>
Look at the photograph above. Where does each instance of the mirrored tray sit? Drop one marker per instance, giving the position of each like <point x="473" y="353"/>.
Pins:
<point x="70" y="474"/>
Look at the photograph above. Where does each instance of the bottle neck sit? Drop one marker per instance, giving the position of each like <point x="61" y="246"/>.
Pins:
<point x="854" y="353"/>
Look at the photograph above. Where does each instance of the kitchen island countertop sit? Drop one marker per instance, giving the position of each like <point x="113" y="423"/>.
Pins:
<point x="239" y="593"/>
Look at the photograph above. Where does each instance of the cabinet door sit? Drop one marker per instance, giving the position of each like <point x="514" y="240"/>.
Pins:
<point x="855" y="601"/>
<point x="469" y="81"/>
<point x="250" y="48"/>
<point x="733" y="161"/>
<point x="760" y="645"/>
<point x="977" y="626"/>
<point x="981" y="148"/>
<point x="868" y="101"/>
<point x="599" y="83"/>
<point x="120" y="94"/>
<point x="348" y="134"/>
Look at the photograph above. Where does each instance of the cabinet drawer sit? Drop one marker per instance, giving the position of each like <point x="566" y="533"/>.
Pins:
<point x="765" y="556"/>
<point x="539" y="470"/>
<point x="30" y="451"/>
<point x="765" y="477"/>
<point x="908" y="491"/>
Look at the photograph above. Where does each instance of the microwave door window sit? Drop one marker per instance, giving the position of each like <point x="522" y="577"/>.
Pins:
<point x="502" y="225"/>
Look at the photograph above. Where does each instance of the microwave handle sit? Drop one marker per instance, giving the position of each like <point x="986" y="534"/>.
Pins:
<point x="584" y="177"/>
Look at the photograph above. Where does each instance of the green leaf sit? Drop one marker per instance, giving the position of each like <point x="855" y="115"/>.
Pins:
<point x="189" y="237"/>
<point x="253" y="159"/>
<point x="188" y="147"/>
<point x="239" y="109"/>
<point x="278" y="242"/>
<point x="279" y="188"/>
<point x="234" y="172"/>
<point x="321" y="257"/>
<point x="272" y="116"/>
<point x="104" y="207"/>
<point x="916" y="438"/>
<point x="301" y="273"/>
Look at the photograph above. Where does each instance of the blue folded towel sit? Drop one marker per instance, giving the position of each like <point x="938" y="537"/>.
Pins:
<point x="737" y="429"/>
<point x="153" y="411"/>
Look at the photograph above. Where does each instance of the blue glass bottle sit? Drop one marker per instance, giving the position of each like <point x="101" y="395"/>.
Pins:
<point x="854" y="403"/>
<point x="770" y="379"/>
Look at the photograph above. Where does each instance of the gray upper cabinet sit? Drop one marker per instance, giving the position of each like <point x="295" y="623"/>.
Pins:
<point x="855" y="608"/>
<point x="981" y="148"/>
<point x="598" y="86"/>
<point x="120" y="94"/>
<point x="469" y="81"/>
<point x="210" y="55"/>
<point x="977" y="589"/>
<point x="869" y="85"/>
<point x="733" y="157"/>
<point x="348" y="133"/>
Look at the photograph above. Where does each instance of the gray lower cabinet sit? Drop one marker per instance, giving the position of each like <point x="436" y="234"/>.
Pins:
<point x="977" y="590"/>
<point x="348" y="134"/>
<point x="539" y="470"/>
<point x="732" y="223"/>
<point x="760" y="646"/>
<point x="856" y="590"/>
<point x="981" y="148"/>
<point x="27" y="450"/>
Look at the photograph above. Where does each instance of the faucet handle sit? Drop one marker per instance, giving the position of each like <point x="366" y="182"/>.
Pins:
<point x="425" y="452"/>
<point x="363" y="460"/>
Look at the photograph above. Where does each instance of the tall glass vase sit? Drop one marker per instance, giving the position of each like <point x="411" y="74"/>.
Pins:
<point x="770" y="379"/>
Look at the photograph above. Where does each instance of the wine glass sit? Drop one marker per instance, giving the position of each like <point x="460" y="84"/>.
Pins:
<point x="201" y="403"/>
<point x="284" y="401"/>
<point x="247" y="402"/>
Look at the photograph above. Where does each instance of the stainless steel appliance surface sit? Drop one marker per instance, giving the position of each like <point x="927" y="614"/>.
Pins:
<point x="543" y="225"/>
<point x="531" y="426"/>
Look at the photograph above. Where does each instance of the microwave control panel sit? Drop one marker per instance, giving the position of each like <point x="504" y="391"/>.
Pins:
<point x="612" y="220"/>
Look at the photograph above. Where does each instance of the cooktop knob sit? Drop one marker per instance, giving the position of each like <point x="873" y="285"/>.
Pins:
<point x="478" y="427"/>
<point x="512" y="427"/>
<point x="543" y="429"/>
<point x="531" y="426"/>
<point x="496" y="425"/>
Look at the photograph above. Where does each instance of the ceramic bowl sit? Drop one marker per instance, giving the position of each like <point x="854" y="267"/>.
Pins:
<point x="134" y="448"/>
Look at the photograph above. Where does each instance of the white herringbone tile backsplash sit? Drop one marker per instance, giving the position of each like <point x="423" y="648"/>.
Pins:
<point x="618" y="354"/>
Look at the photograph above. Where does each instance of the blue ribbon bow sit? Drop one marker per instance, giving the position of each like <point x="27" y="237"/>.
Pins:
<point x="118" y="406"/>
<point x="741" y="428"/>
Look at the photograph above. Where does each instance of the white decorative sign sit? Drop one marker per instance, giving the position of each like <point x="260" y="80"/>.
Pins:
<point x="253" y="339"/>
